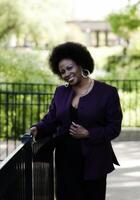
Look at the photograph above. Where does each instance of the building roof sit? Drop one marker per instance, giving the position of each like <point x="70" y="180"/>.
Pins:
<point x="89" y="25"/>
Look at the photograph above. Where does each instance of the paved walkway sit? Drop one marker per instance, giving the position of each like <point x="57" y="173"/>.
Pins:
<point x="124" y="182"/>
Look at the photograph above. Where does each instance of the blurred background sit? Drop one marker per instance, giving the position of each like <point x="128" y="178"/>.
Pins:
<point x="29" y="29"/>
<point x="110" y="29"/>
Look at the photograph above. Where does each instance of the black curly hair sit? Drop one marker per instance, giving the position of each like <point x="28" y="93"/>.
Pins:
<point x="74" y="51"/>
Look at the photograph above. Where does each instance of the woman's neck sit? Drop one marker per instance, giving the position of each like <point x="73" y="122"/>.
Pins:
<point x="83" y="87"/>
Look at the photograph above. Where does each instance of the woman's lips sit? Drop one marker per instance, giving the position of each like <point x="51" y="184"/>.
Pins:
<point x="70" y="79"/>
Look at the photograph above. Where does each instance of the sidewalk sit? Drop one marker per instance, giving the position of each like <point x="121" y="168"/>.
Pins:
<point x="124" y="182"/>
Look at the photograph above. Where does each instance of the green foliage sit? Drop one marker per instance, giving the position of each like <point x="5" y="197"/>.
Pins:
<point x="10" y="17"/>
<point x="123" y="67"/>
<point x="22" y="105"/>
<point x="33" y="22"/>
<point x="124" y="22"/>
<point x="131" y="106"/>
<point x="25" y="66"/>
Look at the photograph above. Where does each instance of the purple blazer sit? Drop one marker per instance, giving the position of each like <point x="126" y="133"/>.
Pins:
<point x="99" y="112"/>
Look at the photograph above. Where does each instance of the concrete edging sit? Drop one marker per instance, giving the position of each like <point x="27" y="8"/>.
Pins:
<point x="129" y="134"/>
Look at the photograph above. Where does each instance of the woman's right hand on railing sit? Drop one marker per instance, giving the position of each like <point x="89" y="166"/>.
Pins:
<point x="33" y="131"/>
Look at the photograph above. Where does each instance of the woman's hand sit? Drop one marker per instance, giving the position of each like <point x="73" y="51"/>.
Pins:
<point x="78" y="131"/>
<point x="33" y="131"/>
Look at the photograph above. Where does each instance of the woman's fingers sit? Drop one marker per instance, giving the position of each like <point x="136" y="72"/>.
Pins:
<point x="78" y="131"/>
<point x="33" y="131"/>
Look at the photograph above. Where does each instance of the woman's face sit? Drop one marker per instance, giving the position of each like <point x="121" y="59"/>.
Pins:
<point x="70" y="71"/>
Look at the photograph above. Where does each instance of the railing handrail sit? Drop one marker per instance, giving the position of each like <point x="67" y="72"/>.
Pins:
<point x="11" y="155"/>
<point x="25" y="139"/>
<point x="20" y="83"/>
<point x="19" y="173"/>
<point x="25" y="92"/>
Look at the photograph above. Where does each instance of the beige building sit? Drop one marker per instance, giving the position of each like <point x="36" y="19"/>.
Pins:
<point x="97" y="33"/>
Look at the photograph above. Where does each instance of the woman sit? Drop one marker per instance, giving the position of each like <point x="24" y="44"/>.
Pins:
<point x="85" y="115"/>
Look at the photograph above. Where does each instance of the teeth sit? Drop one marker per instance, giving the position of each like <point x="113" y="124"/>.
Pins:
<point x="70" y="79"/>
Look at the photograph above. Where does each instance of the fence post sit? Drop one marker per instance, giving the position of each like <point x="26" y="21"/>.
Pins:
<point x="28" y="167"/>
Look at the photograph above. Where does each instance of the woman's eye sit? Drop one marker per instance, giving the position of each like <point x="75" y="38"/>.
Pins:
<point x="69" y="67"/>
<point x="62" y="72"/>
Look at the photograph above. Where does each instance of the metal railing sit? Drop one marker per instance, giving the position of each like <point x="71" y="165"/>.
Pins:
<point x="24" y="175"/>
<point x="22" y="105"/>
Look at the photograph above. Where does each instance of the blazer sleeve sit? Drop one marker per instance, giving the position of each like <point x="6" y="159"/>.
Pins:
<point x="113" y="121"/>
<point x="48" y="124"/>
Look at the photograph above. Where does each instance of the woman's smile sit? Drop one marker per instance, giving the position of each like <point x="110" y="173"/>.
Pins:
<point x="70" y="79"/>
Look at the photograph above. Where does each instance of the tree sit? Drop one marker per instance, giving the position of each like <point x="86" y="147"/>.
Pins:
<point x="34" y="21"/>
<point x="10" y="18"/>
<point x="125" y="22"/>
<point x="25" y="67"/>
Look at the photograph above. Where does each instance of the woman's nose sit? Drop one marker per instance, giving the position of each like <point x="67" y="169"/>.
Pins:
<point x="67" y="73"/>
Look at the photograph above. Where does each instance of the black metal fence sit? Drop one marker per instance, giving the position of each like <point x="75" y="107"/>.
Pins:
<point x="21" y="105"/>
<point x="25" y="176"/>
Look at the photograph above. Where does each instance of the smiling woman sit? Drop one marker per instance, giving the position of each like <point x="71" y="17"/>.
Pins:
<point x="83" y="119"/>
